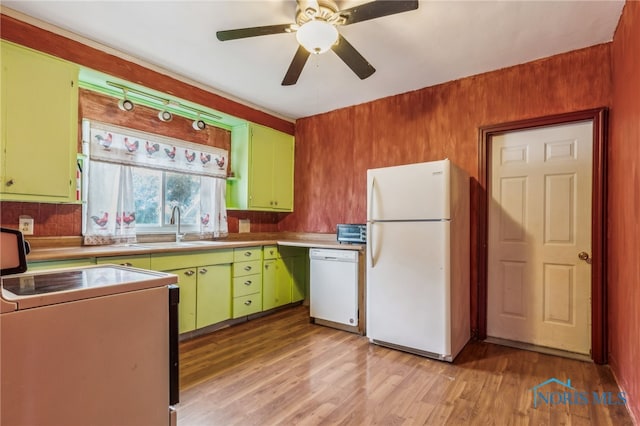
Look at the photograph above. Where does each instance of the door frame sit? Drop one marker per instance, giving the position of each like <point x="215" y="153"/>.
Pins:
<point x="598" y="116"/>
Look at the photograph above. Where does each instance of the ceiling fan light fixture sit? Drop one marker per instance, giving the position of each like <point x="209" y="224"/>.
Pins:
<point x="317" y="36"/>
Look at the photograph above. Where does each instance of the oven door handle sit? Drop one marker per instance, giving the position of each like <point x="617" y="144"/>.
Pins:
<point x="174" y="367"/>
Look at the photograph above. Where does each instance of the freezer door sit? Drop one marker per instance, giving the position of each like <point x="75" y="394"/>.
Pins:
<point x="411" y="192"/>
<point x="408" y="298"/>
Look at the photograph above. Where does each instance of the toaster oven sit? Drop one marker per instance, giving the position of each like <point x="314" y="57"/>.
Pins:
<point x="351" y="233"/>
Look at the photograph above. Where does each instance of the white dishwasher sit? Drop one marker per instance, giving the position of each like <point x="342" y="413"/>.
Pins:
<point x="334" y="285"/>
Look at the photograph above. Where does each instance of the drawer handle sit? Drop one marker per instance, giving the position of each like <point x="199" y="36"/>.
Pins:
<point x="189" y="273"/>
<point x="248" y="282"/>
<point x="247" y="253"/>
<point x="248" y="302"/>
<point x="204" y="270"/>
<point x="126" y="264"/>
<point x="247" y="268"/>
<point x="10" y="182"/>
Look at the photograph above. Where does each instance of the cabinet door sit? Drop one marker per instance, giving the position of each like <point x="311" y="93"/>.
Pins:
<point x="298" y="267"/>
<point x="269" y="292"/>
<point x="187" y="281"/>
<point x="213" y="295"/>
<point x="261" y="168"/>
<point x="283" y="283"/>
<point x="39" y="126"/>
<point x="283" y="158"/>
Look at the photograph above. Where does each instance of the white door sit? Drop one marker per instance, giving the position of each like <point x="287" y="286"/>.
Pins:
<point x="538" y="289"/>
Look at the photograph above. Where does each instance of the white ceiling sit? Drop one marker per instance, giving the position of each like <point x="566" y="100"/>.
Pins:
<point x="439" y="42"/>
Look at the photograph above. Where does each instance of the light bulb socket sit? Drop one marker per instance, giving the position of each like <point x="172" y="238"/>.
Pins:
<point x="165" y="116"/>
<point x="198" y="125"/>
<point x="125" y="105"/>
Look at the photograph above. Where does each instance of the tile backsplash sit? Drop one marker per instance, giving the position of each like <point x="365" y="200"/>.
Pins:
<point x="50" y="220"/>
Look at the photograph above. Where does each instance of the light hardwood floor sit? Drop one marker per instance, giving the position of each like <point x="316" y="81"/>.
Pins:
<point x="281" y="369"/>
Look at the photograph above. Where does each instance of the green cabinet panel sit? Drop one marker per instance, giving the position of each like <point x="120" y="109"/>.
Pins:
<point x="57" y="264"/>
<point x="167" y="261"/>
<point x="213" y="294"/>
<point x="276" y="284"/>
<point x="242" y="254"/>
<point x="248" y="284"/>
<point x="142" y="261"/>
<point x="205" y="291"/>
<point x="247" y="281"/>
<point x="188" y="283"/>
<point x="247" y="305"/>
<point x="39" y="126"/>
<point x="262" y="161"/>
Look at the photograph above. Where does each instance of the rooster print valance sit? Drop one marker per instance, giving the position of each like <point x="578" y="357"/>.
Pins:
<point x="125" y="146"/>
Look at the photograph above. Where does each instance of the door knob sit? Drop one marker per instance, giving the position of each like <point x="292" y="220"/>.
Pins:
<point x="583" y="255"/>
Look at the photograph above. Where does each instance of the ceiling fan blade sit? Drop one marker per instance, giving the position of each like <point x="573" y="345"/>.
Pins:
<point x="299" y="59"/>
<point x="353" y="58"/>
<point x="376" y="9"/>
<point x="253" y="32"/>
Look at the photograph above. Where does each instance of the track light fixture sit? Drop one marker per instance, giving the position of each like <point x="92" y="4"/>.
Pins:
<point x="124" y="103"/>
<point x="165" y="116"/>
<point x="198" y="124"/>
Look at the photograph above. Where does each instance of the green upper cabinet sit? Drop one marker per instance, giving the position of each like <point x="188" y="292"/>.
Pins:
<point x="262" y="164"/>
<point x="38" y="126"/>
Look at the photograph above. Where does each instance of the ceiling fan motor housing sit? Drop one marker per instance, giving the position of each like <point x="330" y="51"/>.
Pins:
<point x="325" y="10"/>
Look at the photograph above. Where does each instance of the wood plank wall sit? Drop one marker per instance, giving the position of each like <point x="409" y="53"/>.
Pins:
<point x="334" y="150"/>
<point x="624" y="204"/>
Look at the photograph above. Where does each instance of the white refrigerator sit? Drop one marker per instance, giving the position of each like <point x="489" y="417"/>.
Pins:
<point x="418" y="258"/>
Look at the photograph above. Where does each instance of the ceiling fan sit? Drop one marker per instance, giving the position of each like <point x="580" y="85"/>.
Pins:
<point x="316" y="30"/>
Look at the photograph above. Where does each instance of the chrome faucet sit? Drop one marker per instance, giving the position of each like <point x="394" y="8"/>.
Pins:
<point x="172" y="221"/>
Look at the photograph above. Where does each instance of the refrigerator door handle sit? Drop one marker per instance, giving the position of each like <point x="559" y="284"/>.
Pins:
<point x="371" y="221"/>
<point x="371" y="194"/>
<point x="371" y="240"/>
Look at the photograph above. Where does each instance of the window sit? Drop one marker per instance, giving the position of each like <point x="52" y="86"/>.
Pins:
<point x="156" y="193"/>
<point x="129" y="191"/>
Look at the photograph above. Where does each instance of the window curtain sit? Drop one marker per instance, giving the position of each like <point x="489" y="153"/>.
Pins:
<point x="213" y="209"/>
<point x="110" y="212"/>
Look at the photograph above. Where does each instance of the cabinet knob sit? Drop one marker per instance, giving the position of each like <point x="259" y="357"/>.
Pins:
<point x="247" y="283"/>
<point x="126" y="264"/>
<point x="247" y="253"/>
<point x="275" y="202"/>
<point x="10" y="182"/>
<point x="270" y="203"/>
<point x="189" y="273"/>
<point x="248" y="302"/>
<point x="266" y="266"/>
<point x="204" y="270"/>
<point x="247" y="268"/>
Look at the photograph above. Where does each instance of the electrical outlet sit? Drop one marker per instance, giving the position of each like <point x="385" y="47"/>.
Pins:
<point x="244" y="225"/>
<point x="25" y="225"/>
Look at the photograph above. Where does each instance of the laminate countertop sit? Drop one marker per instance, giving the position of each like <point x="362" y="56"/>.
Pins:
<point x="292" y="239"/>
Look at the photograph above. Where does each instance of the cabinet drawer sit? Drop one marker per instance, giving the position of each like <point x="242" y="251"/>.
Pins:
<point x="168" y="261"/>
<point x="142" y="261"/>
<point x="247" y="268"/>
<point x="242" y="254"/>
<point x="248" y="284"/>
<point x="247" y="305"/>
<point x="270" y="252"/>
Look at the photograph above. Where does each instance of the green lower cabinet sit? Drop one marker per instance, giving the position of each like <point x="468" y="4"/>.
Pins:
<point x="297" y="266"/>
<point x="213" y="295"/>
<point x="188" y="283"/>
<point x="276" y="284"/>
